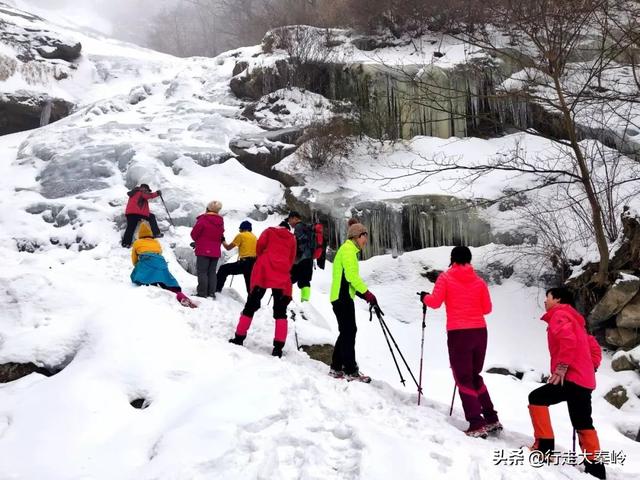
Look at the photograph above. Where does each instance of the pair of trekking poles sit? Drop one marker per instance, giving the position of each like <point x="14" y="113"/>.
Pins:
<point x="390" y="339"/>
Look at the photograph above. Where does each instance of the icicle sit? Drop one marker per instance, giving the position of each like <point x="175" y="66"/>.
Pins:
<point x="45" y="115"/>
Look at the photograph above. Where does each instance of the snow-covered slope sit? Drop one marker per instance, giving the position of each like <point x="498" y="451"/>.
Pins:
<point x="214" y="410"/>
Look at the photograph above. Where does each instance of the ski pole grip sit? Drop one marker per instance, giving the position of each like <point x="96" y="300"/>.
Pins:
<point x="424" y="307"/>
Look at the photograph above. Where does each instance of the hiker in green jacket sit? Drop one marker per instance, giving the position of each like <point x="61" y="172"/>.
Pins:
<point x="345" y="285"/>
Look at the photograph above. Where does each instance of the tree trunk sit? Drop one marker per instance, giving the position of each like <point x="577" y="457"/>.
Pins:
<point x="585" y="175"/>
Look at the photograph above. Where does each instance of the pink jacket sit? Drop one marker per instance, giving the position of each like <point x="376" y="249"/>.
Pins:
<point x="207" y="233"/>
<point x="276" y="250"/>
<point x="465" y="295"/>
<point x="570" y="343"/>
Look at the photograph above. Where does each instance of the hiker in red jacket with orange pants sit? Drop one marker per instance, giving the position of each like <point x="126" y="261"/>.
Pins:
<point x="276" y="252"/>
<point x="467" y="301"/>
<point x="575" y="356"/>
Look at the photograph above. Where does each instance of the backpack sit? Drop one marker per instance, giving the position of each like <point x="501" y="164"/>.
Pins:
<point x="320" y="248"/>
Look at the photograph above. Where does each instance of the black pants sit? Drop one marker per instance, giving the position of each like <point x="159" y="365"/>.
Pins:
<point x="243" y="267"/>
<point x="578" y="401"/>
<point x="132" y="223"/>
<point x="280" y="302"/>
<point x="302" y="272"/>
<point x="344" y="352"/>
<point x="206" y="269"/>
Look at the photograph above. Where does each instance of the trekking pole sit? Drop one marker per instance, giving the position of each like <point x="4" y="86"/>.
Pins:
<point x="371" y="308"/>
<point x="295" y="330"/>
<point x="424" y="325"/>
<point x="167" y="210"/>
<point x="395" y="344"/>
<point x="453" y="398"/>
<point x="574" y="440"/>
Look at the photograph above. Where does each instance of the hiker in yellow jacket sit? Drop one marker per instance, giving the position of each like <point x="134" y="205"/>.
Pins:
<point x="150" y="267"/>
<point x="246" y="242"/>
<point x="347" y="284"/>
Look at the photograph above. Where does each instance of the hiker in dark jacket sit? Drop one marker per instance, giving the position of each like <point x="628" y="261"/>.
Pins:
<point x="137" y="210"/>
<point x="276" y="250"/>
<point x="302" y="270"/>
<point x="208" y="235"/>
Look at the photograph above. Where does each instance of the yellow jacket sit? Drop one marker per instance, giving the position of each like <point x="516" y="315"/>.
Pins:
<point x="145" y="243"/>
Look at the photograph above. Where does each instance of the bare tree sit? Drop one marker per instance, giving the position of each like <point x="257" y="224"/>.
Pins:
<point x="559" y="71"/>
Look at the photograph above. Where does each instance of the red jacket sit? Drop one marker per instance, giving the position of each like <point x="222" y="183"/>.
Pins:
<point x="465" y="295"/>
<point x="207" y="233"/>
<point x="570" y="343"/>
<point x="276" y="252"/>
<point x="138" y="203"/>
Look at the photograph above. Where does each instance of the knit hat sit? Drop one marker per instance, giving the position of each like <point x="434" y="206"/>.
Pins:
<point x="144" y="186"/>
<point x="145" y="231"/>
<point x="294" y="214"/>
<point x="356" y="230"/>
<point x="352" y="221"/>
<point x="246" y="225"/>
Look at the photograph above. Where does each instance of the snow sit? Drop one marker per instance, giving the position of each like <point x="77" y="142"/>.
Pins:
<point x="289" y="107"/>
<point x="216" y="410"/>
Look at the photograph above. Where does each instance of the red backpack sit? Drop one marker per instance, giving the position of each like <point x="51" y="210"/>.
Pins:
<point x="319" y="252"/>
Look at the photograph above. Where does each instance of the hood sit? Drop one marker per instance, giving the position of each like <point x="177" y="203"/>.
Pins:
<point x="282" y="233"/>
<point x="463" y="273"/>
<point x="212" y="218"/>
<point x="563" y="307"/>
<point x="145" y="231"/>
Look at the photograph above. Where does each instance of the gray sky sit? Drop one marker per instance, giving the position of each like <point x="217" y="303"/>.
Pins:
<point x="126" y="19"/>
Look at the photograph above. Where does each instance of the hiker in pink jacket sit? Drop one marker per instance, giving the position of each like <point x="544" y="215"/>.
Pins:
<point x="467" y="301"/>
<point x="575" y="356"/>
<point x="208" y="235"/>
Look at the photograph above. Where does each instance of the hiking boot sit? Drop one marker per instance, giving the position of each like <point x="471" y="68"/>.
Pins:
<point x="494" y="427"/>
<point x="277" y="349"/>
<point x="477" y="432"/>
<point x="357" y="376"/>
<point x="336" y="373"/>
<point x="595" y="469"/>
<point x="238" y="339"/>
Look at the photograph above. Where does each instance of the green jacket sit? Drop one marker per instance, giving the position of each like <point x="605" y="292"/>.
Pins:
<point x="346" y="276"/>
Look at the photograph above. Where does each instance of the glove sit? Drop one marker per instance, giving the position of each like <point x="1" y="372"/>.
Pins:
<point x="422" y="295"/>
<point x="370" y="298"/>
<point x="192" y="244"/>
<point x="558" y="376"/>
<point x="159" y="192"/>
<point x="222" y="239"/>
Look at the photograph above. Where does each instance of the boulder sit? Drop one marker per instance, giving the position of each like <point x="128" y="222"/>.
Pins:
<point x="617" y="396"/>
<point x="61" y="51"/>
<point x="13" y="371"/>
<point x="623" y="363"/>
<point x="23" y="110"/>
<point x="622" y="337"/>
<point x="506" y="372"/>
<point x="629" y="316"/>
<point x="620" y="293"/>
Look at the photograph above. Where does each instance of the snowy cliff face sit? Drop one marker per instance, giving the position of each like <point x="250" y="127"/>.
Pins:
<point x="211" y="409"/>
